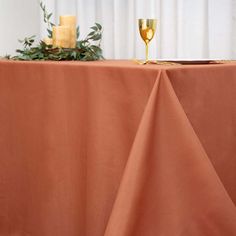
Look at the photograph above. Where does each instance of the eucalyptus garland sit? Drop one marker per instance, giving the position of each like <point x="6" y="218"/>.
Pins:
<point x="87" y="49"/>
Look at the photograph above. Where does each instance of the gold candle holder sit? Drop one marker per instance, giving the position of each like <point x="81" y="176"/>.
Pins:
<point x="61" y="36"/>
<point x="70" y="21"/>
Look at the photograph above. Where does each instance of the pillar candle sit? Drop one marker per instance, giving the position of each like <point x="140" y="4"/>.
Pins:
<point x="61" y="36"/>
<point x="48" y="41"/>
<point x="70" y="21"/>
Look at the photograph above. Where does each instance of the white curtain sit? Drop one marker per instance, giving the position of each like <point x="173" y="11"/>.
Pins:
<point x="186" y="28"/>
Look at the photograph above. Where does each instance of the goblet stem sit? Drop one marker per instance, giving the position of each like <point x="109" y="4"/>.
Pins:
<point x="146" y="52"/>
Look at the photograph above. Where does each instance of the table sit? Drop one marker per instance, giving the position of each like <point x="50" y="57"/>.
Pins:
<point x="117" y="149"/>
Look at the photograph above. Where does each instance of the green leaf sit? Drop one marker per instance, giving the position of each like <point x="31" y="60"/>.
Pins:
<point x="94" y="28"/>
<point x="98" y="26"/>
<point x="96" y="49"/>
<point x="49" y="33"/>
<point x="49" y="16"/>
<point x="74" y="54"/>
<point x="19" y="51"/>
<point x="77" y="32"/>
<point x="96" y="37"/>
<point x="91" y="33"/>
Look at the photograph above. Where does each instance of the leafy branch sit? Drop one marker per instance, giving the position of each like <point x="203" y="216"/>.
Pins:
<point x="28" y="42"/>
<point x="46" y="18"/>
<point x="86" y="50"/>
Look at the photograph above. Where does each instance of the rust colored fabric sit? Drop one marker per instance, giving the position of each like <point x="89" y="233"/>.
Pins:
<point x="111" y="148"/>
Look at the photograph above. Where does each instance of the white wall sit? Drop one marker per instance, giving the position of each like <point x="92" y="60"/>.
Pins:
<point x="186" y="28"/>
<point x="18" y="19"/>
<point x="21" y="18"/>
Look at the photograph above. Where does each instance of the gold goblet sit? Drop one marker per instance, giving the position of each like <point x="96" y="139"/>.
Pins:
<point x="147" y="29"/>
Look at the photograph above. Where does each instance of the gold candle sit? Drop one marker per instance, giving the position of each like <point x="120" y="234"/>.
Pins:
<point x="48" y="41"/>
<point x="61" y="36"/>
<point x="70" y="21"/>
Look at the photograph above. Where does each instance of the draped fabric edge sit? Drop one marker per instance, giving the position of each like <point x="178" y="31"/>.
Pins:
<point x="130" y="188"/>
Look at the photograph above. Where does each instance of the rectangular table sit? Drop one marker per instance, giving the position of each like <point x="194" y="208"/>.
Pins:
<point x="117" y="149"/>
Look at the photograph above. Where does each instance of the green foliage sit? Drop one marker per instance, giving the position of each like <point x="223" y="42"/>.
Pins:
<point x="28" y="42"/>
<point x="77" y="32"/>
<point x="7" y="56"/>
<point x="87" y="49"/>
<point x="47" y="19"/>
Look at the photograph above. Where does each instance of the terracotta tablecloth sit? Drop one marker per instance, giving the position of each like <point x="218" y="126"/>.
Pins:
<point x="116" y="149"/>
